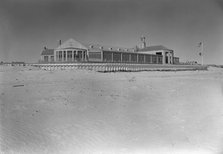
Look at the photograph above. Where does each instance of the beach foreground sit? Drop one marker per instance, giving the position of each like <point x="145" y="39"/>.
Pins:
<point x="77" y="111"/>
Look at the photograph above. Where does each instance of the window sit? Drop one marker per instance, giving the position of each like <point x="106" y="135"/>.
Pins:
<point x="117" y="57"/>
<point x="51" y="58"/>
<point x="160" y="59"/>
<point x="133" y="57"/>
<point x="141" y="58"/>
<point x="148" y="59"/>
<point x="60" y="55"/>
<point x="69" y="55"/>
<point x="125" y="57"/>
<point x="79" y="55"/>
<point x="64" y="55"/>
<point x="94" y="55"/>
<point x="45" y="58"/>
<point x="154" y="59"/>
<point x="107" y="56"/>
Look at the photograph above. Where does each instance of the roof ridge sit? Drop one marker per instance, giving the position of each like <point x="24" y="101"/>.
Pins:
<point x="154" y="48"/>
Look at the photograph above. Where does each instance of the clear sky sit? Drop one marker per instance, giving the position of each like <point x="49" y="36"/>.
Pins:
<point x="26" y="26"/>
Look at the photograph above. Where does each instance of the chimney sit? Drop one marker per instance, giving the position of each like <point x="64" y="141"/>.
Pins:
<point x="60" y="42"/>
<point x="143" y="42"/>
<point x="45" y="48"/>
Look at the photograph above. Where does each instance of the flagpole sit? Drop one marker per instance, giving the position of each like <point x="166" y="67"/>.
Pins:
<point x="202" y="52"/>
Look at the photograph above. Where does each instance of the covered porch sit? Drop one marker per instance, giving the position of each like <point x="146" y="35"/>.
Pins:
<point x="70" y="55"/>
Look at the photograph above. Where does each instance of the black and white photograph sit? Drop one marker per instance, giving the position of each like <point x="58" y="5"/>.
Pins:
<point x="111" y="76"/>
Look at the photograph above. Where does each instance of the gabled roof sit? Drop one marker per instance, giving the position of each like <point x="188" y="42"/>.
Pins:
<point x="154" y="48"/>
<point x="71" y="43"/>
<point x="47" y="52"/>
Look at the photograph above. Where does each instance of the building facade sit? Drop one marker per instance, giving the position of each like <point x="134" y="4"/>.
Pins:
<point x="70" y="51"/>
<point x="47" y="55"/>
<point x="73" y="51"/>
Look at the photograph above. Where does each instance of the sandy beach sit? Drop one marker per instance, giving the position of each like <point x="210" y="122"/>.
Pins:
<point x="86" y="112"/>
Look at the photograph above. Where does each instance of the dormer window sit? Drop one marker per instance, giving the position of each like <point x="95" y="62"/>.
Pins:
<point x="91" y="46"/>
<point x="110" y="48"/>
<point x="101" y="47"/>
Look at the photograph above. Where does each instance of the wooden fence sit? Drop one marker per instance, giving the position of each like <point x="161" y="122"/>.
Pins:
<point x="118" y="67"/>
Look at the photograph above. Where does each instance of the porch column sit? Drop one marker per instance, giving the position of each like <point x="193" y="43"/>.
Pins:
<point x="164" y="57"/>
<point x="151" y="59"/>
<point x="130" y="57"/>
<point x="66" y="55"/>
<point x="74" y="55"/>
<point x="85" y="55"/>
<point x="102" y="55"/>
<point x="54" y="54"/>
<point x="82" y="56"/>
<point x="121" y="57"/>
<point x="144" y="58"/>
<point x="172" y="57"/>
<point x="168" y="57"/>
<point x="112" y="57"/>
<point x="62" y="55"/>
<point x="137" y="58"/>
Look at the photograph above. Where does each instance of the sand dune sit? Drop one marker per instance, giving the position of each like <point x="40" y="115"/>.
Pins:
<point x="76" y="111"/>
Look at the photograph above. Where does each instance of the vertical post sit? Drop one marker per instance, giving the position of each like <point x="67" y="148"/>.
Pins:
<point x="202" y="52"/>
<point x="82" y="55"/>
<point x="102" y="56"/>
<point x="130" y="57"/>
<point x="62" y="56"/>
<point x="164" y="57"/>
<point x="54" y="54"/>
<point x="112" y="57"/>
<point x="168" y="57"/>
<point x="144" y="58"/>
<point x="121" y="57"/>
<point x="137" y="58"/>
<point x="66" y="55"/>
<point x="87" y="53"/>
